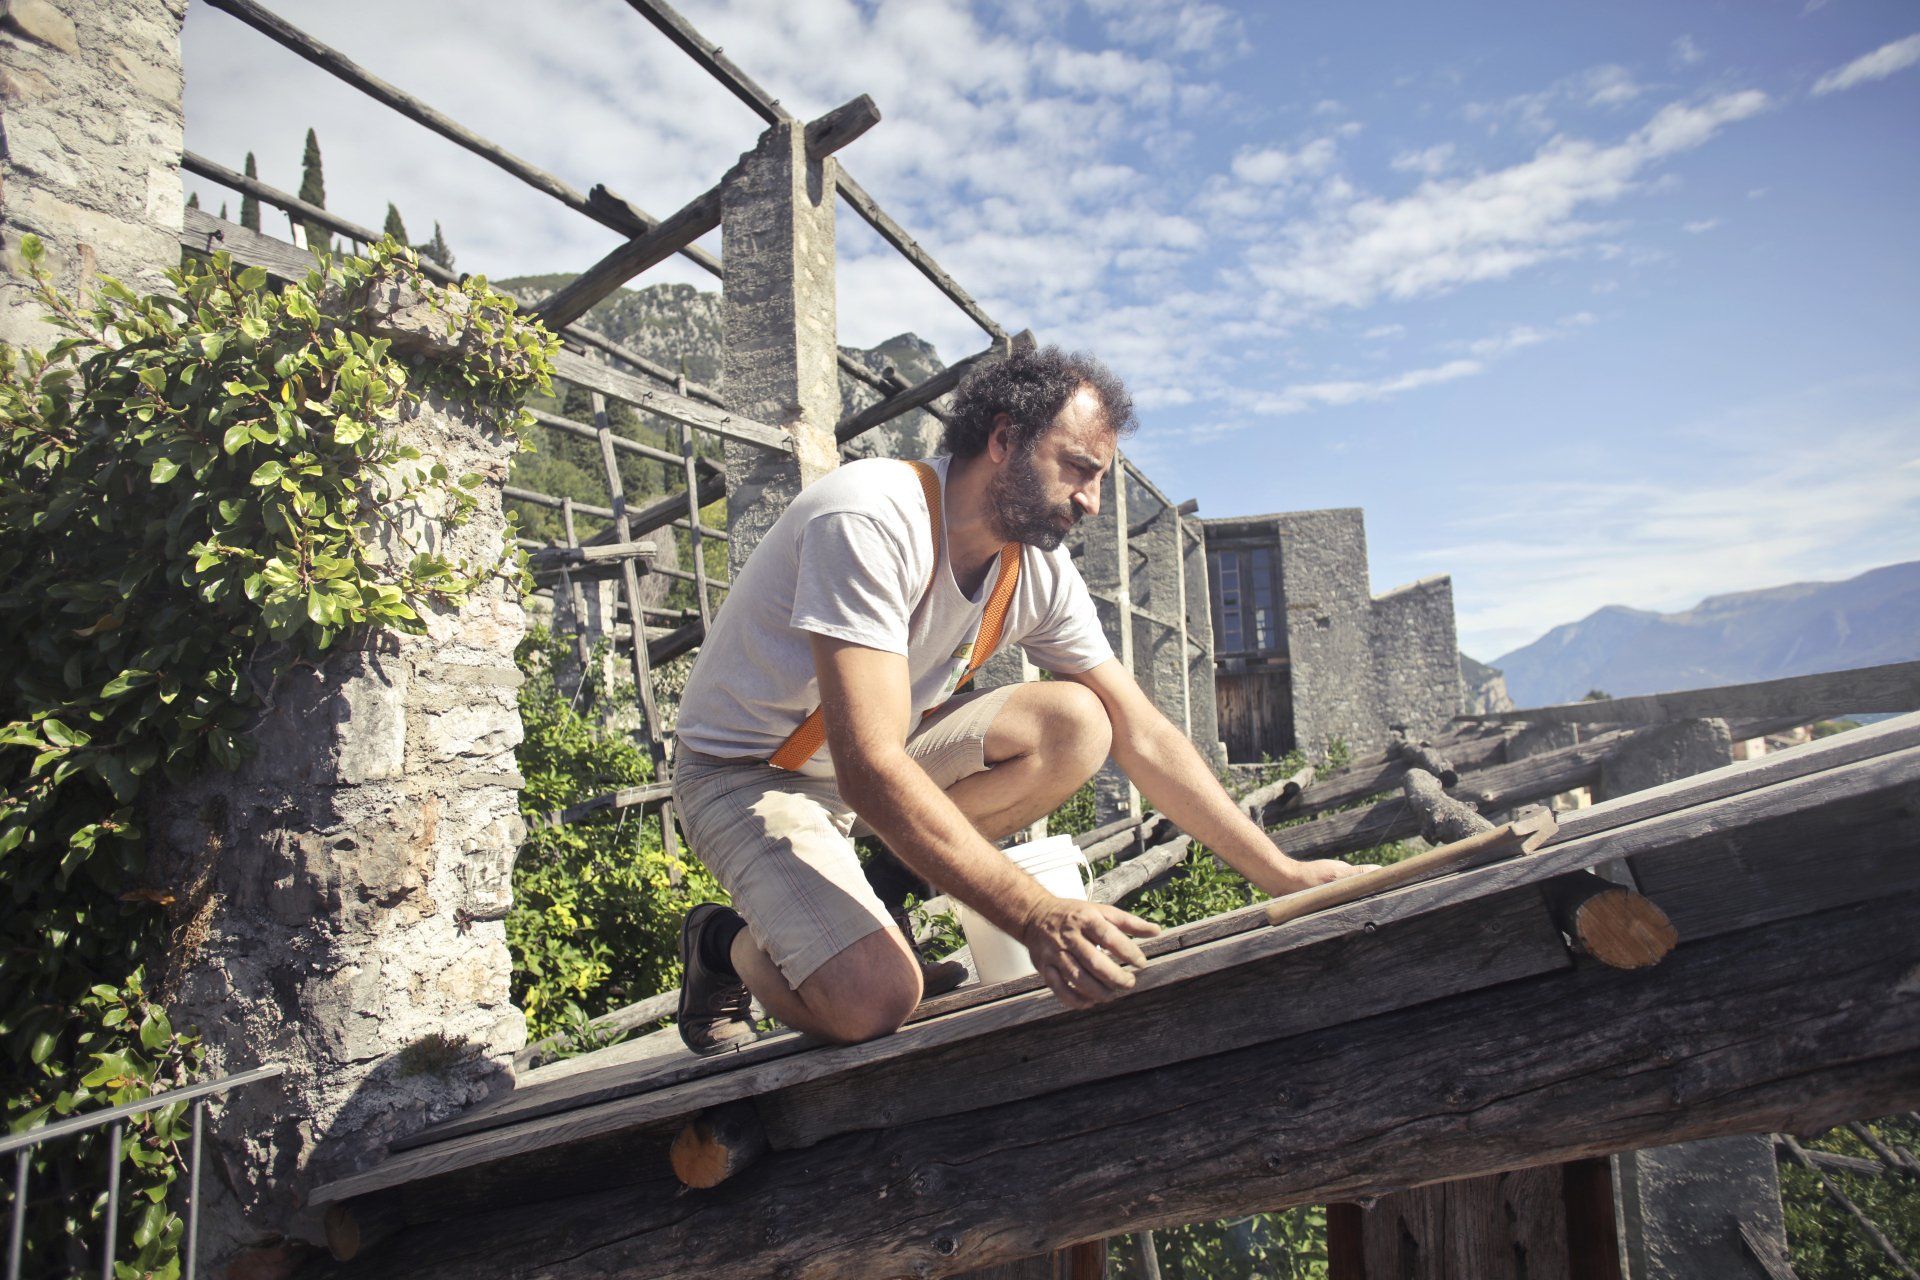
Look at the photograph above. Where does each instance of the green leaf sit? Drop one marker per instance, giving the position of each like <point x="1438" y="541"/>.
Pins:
<point x="156" y="1031"/>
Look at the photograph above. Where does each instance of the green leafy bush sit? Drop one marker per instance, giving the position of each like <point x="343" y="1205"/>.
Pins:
<point x="199" y="497"/>
<point x="597" y="903"/>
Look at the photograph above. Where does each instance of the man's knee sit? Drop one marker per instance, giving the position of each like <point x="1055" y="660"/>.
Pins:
<point x="866" y="991"/>
<point x="1079" y="733"/>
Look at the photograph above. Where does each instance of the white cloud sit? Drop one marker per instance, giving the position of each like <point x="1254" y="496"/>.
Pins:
<point x="1272" y="166"/>
<point x="1700" y="225"/>
<point x="1432" y="161"/>
<point x="1878" y="65"/>
<point x="1452" y="232"/>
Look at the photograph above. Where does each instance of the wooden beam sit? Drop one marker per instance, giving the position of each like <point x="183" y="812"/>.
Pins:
<point x="923" y="262"/>
<point x="922" y="393"/>
<point x="1443" y="819"/>
<point x="694" y="219"/>
<point x="1892" y="687"/>
<point x="1610" y="922"/>
<point x="620" y="216"/>
<point x="711" y="58"/>
<point x="1774" y="1029"/>
<point x="680" y="229"/>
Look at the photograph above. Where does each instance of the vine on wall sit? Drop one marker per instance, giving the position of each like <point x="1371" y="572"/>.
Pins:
<point x="204" y="492"/>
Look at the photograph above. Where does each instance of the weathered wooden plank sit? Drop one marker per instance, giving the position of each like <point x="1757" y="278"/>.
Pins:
<point x="620" y="385"/>
<point x="1778" y="1029"/>
<point x="595" y="1104"/>
<point x="1355" y="976"/>
<point x="1892" y="687"/>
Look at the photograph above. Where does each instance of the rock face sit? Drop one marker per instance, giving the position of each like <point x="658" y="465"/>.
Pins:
<point x="1485" y="688"/>
<point x="90" y="138"/>
<point x="346" y="886"/>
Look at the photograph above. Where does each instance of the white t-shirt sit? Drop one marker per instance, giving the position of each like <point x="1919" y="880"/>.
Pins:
<point x="852" y="558"/>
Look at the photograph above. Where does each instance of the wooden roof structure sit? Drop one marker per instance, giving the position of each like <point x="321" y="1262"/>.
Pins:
<point x="1432" y="1031"/>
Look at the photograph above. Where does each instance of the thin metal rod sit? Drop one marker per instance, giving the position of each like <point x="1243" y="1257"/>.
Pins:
<point x="17" y="1234"/>
<point x="113" y="1198"/>
<point x="94" y="1119"/>
<point x="193" y="1191"/>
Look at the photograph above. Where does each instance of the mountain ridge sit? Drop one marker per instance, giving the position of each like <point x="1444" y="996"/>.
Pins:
<point x="1796" y="628"/>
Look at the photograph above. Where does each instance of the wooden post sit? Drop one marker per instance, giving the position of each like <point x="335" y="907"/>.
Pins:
<point x="694" y="529"/>
<point x="1123" y="593"/>
<point x="630" y="589"/>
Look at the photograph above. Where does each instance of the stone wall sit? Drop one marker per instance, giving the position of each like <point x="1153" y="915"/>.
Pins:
<point x="90" y="139"/>
<point x="345" y="889"/>
<point x="1417" y="656"/>
<point x="1327" y="614"/>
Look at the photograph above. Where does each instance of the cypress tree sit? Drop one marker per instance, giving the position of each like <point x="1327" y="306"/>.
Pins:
<point x="395" y="228"/>
<point x="250" y="207"/>
<point x="313" y="189"/>
<point x="437" y="249"/>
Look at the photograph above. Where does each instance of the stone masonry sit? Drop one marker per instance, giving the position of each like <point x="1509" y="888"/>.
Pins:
<point x="90" y="138"/>
<point x="345" y="888"/>
<point x="1417" y="654"/>
<point x="781" y="363"/>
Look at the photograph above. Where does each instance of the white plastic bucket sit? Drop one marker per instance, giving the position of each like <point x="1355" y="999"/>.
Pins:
<point x="1057" y="863"/>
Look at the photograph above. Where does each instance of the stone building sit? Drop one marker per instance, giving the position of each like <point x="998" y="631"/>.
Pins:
<point x="1304" y="653"/>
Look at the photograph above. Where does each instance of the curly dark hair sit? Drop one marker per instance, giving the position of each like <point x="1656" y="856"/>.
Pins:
<point x="1030" y="387"/>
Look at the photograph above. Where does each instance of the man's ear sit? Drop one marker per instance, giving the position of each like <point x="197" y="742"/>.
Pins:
<point x="1000" y="438"/>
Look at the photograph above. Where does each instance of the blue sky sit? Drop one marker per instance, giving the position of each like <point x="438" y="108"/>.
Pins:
<point x="1607" y="304"/>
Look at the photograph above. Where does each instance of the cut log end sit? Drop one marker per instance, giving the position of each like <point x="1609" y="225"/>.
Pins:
<point x="718" y="1144"/>
<point x="1613" y="924"/>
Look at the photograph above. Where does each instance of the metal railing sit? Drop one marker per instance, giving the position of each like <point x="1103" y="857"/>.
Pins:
<point x="22" y="1146"/>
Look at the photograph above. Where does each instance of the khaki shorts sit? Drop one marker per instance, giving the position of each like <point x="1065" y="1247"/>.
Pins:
<point x="780" y="842"/>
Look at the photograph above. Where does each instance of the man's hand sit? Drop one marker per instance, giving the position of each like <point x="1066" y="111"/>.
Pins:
<point x="1080" y="949"/>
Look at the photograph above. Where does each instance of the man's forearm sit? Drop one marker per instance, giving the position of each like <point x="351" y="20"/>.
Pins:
<point x="1179" y="783"/>
<point x="926" y="830"/>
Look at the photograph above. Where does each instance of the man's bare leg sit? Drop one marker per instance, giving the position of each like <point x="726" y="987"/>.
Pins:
<point x="1049" y="738"/>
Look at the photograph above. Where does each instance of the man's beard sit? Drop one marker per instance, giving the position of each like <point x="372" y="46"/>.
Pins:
<point x="1021" y="509"/>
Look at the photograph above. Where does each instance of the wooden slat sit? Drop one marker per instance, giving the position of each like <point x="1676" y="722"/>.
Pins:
<point x="619" y="385"/>
<point x="619" y="215"/>
<point x="1892" y="687"/>
<point x="1508" y="841"/>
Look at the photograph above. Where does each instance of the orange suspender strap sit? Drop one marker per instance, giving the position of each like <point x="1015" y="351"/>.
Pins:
<point x="812" y="732"/>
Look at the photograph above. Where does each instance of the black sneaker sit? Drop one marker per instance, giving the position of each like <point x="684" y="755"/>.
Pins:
<point x="714" y="1013"/>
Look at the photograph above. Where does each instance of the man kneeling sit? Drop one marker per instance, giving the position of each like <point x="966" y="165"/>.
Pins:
<point x="826" y="694"/>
